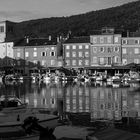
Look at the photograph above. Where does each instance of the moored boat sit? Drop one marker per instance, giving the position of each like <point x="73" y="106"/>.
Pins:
<point x="47" y="78"/>
<point x="117" y="78"/>
<point x="131" y="77"/>
<point x="8" y="103"/>
<point x="99" y="78"/>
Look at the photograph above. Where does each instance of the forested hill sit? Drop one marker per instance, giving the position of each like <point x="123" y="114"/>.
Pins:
<point x="125" y="17"/>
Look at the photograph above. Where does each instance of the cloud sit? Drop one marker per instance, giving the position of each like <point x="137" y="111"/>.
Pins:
<point x="19" y="15"/>
<point x="33" y="9"/>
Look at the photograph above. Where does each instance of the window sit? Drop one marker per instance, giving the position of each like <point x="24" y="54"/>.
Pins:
<point x="87" y="47"/>
<point x="94" y="49"/>
<point x="67" y="47"/>
<point x="116" y="59"/>
<point x="136" y="61"/>
<point x="52" y="62"/>
<point x="109" y="49"/>
<point x="1" y="29"/>
<point x="43" y="53"/>
<point x="136" y="41"/>
<point x="67" y="54"/>
<point x="86" y="62"/>
<point x="124" y="51"/>
<point x="73" y="54"/>
<point x="80" y="62"/>
<point x="74" y="47"/>
<point x="67" y="62"/>
<point x="86" y="54"/>
<point x="35" y="54"/>
<point x="43" y="62"/>
<point x="136" y="50"/>
<point x="59" y="63"/>
<point x="94" y="60"/>
<point x="101" y="40"/>
<point x="18" y="54"/>
<point x="102" y="49"/>
<point x="94" y="39"/>
<point x="124" y="41"/>
<point x="52" y="53"/>
<point x="102" y="60"/>
<point x="109" y="60"/>
<point x="80" y="46"/>
<point x="124" y="61"/>
<point x="35" y="49"/>
<point x="74" y="62"/>
<point x="116" y="49"/>
<point x="116" y="39"/>
<point x="109" y="39"/>
<point x="80" y="54"/>
<point x="26" y="54"/>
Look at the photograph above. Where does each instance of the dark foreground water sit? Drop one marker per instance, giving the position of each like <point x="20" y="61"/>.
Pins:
<point x="94" y="100"/>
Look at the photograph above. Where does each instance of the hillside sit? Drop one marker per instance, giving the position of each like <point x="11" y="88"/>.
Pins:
<point x="125" y="17"/>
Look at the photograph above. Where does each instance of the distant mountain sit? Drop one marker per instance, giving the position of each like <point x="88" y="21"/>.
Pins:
<point x="125" y="17"/>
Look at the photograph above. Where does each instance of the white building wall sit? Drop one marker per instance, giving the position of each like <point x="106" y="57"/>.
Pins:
<point x="6" y="49"/>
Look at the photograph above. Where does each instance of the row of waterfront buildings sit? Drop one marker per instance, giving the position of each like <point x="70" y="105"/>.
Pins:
<point x="97" y="51"/>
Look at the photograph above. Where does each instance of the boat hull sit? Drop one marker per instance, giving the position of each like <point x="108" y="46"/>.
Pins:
<point x="9" y="109"/>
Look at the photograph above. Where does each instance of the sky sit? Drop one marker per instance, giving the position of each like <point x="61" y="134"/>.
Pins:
<point x="21" y="10"/>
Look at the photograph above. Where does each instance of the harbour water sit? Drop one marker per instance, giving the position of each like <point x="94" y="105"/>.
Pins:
<point x="96" y="100"/>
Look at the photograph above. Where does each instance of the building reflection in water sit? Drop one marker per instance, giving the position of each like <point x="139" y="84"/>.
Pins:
<point x="44" y="96"/>
<point x="100" y="100"/>
<point x="77" y="99"/>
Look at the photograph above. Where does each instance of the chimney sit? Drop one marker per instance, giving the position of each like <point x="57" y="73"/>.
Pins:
<point x="50" y="38"/>
<point x="27" y="40"/>
<point x="57" y="39"/>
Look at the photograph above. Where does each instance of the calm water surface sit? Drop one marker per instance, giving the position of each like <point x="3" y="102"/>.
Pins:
<point x="98" y="100"/>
